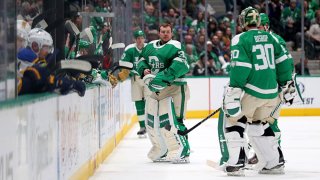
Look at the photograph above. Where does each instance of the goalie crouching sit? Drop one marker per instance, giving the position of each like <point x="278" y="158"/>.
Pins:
<point x="162" y="65"/>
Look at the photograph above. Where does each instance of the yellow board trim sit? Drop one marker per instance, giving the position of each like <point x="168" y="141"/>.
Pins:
<point x="88" y="169"/>
<point x="201" y="114"/>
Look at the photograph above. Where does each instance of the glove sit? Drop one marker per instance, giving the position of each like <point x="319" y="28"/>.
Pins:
<point x="156" y="85"/>
<point x="231" y="101"/>
<point x="147" y="78"/>
<point x="288" y="92"/>
<point x="123" y="74"/>
<point x="113" y="80"/>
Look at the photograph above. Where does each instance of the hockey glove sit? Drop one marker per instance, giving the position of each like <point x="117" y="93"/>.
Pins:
<point x="113" y="80"/>
<point x="156" y="85"/>
<point x="231" y="101"/>
<point x="288" y="92"/>
<point x="123" y="74"/>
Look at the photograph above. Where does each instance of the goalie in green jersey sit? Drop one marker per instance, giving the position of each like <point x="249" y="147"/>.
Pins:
<point x="258" y="67"/>
<point x="163" y="65"/>
<point x="273" y="119"/>
<point x="139" y="91"/>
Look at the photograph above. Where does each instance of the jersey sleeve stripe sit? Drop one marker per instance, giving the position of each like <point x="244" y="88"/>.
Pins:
<point x="179" y="59"/>
<point x="262" y="91"/>
<point x="243" y="64"/>
<point x="126" y="64"/>
<point x="282" y="58"/>
<point x="289" y="56"/>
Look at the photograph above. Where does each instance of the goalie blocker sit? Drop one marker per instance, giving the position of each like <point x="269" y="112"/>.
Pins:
<point x="166" y="145"/>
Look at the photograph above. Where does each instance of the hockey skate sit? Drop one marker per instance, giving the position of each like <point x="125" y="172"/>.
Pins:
<point x="142" y="133"/>
<point x="278" y="169"/>
<point x="181" y="160"/>
<point x="235" y="170"/>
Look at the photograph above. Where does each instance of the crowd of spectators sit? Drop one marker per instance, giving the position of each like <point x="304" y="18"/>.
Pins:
<point x="196" y="34"/>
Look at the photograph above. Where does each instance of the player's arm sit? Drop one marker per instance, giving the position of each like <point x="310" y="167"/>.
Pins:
<point x="178" y="68"/>
<point x="283" y="64"/>
<point x="240" y="66"/>
<point x="142" y="63"/>
<point x="127" y="58"/>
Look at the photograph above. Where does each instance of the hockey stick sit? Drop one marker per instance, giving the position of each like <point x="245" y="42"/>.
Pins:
<point x="72" y="29"/>
<point x="80" y="66"/>
<point x="183" y="133"/>
<point x="121" y="64"/>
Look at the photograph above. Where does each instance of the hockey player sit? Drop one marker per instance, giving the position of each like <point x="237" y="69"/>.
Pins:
<point x="273" y="119"/>
<point x="36" y="76"/>
<point x="139" y="91"/>
<point x="258" y="65"/>
<point x="163" y="64"/>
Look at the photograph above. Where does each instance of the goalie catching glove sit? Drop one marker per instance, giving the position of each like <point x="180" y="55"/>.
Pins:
<point x="154" y="84"/>
<point x="231" y="101"/>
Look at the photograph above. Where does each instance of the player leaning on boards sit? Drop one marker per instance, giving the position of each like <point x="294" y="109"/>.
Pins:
<point x="163" y="65"/>
<point x="258" y="66"/>
<point x="139" y="91"/>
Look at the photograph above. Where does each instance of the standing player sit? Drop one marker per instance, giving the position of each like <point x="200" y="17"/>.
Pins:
<point x="163" y="65"/>
<point x="138" y="90"/>
<point x="273" y="119"/>
<point x="258" y="65"/>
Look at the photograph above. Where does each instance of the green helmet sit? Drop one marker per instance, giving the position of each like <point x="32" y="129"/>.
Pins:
<point x="138" y="33"/>
<point x="264" y="19"/>
<point x="249" y="16"/>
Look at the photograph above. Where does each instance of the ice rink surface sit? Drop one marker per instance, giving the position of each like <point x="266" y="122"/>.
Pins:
<point x="300" y="145"/>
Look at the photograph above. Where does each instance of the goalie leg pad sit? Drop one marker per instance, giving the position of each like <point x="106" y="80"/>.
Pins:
<point x="159" y="148"/>
<point x="267" y="148"/>
<point x="178" y="146"/>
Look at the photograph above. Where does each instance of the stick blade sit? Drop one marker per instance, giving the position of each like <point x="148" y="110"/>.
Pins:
<point x="75" y="65"/>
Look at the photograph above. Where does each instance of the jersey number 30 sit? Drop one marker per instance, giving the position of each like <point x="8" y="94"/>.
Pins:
<point x="266" y="55"/>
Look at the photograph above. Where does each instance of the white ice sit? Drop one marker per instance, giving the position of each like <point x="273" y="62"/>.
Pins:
<point x="300" y="144"/>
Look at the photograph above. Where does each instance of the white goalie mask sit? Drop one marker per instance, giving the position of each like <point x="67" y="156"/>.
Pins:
<point x="42" y="38"/>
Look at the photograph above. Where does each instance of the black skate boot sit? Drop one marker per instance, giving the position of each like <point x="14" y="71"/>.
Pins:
<point x="142" y="132"/>
<point x="253" y="160"/>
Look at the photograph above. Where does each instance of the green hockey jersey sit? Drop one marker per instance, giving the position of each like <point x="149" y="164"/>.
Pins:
<point x="131" y="54"/>
<point x="282" y="74"/>
<point x="168" y="62"/>
<point x="255" y="57"/>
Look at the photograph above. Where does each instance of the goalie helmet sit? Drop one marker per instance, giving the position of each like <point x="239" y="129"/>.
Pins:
<point x="42" y="38"/>
<point x="249" y="17"/>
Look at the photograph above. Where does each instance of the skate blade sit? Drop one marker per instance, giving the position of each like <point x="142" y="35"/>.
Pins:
<point x="181" y="161"/>
<point x="279" y="170"/>
<point x="236" y="173"/>
<point x="142" y="136"/>
<point x="162" y="160"/>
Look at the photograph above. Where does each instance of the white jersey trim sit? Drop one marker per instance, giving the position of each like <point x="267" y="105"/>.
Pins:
<point x="262" y="91"/>
<point x="243" y="64"/>
<point x="282" y="58"/>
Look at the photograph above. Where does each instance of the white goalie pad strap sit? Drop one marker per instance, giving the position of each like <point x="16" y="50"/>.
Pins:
<point x="147" y="78"/>
<point x="159" y="147"/>
<point x="234" y="145"/>
<point x="266" y="148"/>
<point x="231" y="101"/>
<point x="173" y="142"/>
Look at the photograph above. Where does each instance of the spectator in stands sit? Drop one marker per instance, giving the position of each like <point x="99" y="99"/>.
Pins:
<point x="229" y="5"/>
<point x="198" y="23"/>
<point x="314" y="32"/>
<point x="213" y="59"/>
<point x="171" y="17"/>
<point x="175" y="4"/>
<point x="200" y="68"/>
<point x="212" y="27"/>
<point x="192" y="58"/>
<point x="190" y="8"/>
<point x="200" y="43"/>
<point x="150" y="18"/>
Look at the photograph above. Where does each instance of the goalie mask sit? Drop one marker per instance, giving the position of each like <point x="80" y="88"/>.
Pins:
<point x="249" y="17"/>
<point x="39" y="39"/>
